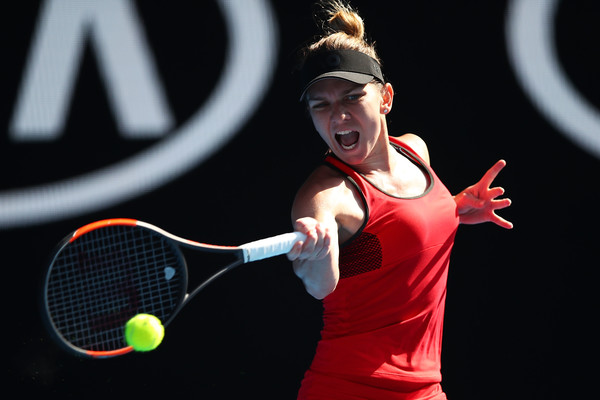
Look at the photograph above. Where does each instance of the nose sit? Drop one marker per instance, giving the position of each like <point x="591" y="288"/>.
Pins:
<point x="339" y="112"/>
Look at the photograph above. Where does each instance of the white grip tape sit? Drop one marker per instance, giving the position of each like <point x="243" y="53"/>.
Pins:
<point x="271" y="247"/>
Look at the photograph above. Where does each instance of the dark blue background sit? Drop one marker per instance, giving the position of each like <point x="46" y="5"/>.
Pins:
<point x="521" y="308"/>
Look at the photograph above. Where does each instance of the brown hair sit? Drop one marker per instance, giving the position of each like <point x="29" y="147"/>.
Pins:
<point x="342" y="29"/>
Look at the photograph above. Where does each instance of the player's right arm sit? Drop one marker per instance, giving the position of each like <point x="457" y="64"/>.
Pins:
<point x="320" y="212"/>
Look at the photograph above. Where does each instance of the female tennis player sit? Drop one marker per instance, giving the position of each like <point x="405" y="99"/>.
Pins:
<point x="380" y="227"/>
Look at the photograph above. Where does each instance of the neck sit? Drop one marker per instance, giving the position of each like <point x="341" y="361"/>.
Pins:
<point x="383" y="157"/>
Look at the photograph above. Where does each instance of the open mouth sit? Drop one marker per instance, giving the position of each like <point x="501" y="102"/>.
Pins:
<point x="347" y="139"/>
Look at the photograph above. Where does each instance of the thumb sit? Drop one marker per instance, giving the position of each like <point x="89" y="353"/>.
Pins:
<point x="471" y="201"/>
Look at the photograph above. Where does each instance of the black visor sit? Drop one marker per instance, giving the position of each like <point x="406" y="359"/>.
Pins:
<point x="349" y="65"/>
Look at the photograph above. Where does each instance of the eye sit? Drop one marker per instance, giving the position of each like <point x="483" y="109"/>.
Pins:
<point x="353" y="97"/>
<point x="317" y="105"/>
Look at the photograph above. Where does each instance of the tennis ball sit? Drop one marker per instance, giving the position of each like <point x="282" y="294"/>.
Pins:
<point x="144" y="332"/>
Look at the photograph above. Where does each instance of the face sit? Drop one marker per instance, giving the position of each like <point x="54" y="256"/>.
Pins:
<point x="350" y="118"/>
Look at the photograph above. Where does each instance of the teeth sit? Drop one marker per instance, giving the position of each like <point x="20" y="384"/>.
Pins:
<point x="342" y="133"/>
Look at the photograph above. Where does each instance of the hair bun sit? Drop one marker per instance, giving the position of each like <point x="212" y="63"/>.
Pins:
<point x="342" y="29"/>
<point x="347" y="21"/>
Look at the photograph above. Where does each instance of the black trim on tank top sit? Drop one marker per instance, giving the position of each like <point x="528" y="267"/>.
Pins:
<point x="412" y="157"/>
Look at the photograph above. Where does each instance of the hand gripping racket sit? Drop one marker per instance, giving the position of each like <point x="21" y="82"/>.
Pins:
<point x="106" y="272"/>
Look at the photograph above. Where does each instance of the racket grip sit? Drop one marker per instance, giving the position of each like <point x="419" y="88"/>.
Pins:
<point x="271" y="247"/>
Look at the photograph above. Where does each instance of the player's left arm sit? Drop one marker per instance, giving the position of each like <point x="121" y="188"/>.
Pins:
<point x="477" y="203"/>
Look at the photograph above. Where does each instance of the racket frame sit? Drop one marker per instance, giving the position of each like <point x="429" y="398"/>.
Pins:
<point x="248" y="252"/>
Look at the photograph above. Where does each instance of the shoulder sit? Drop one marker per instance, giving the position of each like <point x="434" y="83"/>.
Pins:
<point x="326" y="192"/>
<point x="417" y="144"/>
<point x="321" y="187"/>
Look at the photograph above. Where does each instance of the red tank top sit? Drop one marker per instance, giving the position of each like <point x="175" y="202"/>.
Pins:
<point x="383" y="323"/>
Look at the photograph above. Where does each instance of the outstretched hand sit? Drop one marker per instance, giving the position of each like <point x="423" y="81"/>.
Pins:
<point x="478" y="203"/>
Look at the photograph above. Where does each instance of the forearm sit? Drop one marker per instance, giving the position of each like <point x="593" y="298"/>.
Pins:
<point x="320" y="277"/>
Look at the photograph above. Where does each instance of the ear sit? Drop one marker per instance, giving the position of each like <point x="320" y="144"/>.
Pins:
<point x="387" y="98"/>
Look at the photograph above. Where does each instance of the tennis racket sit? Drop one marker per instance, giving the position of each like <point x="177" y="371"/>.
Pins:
<point x="108" y="271"/>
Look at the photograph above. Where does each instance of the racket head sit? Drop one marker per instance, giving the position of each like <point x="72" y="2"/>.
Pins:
<point x="105" y="273"/>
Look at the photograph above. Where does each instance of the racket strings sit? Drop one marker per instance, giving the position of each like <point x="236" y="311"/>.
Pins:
<point x="108" y="275"/>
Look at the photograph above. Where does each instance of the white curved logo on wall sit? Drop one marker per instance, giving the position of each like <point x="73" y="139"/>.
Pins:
<point x="530" y="41"/>
<point x="249" y="63"/>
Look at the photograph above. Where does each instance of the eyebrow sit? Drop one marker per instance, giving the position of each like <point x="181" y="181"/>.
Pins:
<point x="343" y="93"/>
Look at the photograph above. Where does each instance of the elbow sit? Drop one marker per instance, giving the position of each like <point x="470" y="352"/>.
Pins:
<point x="319" y="280"/>
<point x="320" y="290"/>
